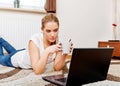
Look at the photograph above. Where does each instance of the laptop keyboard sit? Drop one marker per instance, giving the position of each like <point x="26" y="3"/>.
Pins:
<point x="62" y="79"/>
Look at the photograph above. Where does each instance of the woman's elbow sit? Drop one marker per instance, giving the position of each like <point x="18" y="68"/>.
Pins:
<point x="58" y="68"/>
<point x="38" y="72"/>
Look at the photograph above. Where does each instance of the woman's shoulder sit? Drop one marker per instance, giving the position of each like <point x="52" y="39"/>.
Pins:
<point x="37" y="39"/>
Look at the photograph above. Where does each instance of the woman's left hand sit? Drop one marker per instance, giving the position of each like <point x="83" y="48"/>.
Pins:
<point x="71" y="47"/>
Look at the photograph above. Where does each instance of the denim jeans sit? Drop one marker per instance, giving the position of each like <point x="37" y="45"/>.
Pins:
<point x="6" y="59"/>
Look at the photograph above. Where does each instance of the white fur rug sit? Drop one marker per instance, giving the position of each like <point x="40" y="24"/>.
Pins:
<point x="20" y="77"/>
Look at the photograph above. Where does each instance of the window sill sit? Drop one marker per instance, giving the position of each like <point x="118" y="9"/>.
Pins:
<point x="35" y="11"/>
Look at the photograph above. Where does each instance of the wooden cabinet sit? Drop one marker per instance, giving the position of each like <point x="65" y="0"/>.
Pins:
<point x="116" y="45"/>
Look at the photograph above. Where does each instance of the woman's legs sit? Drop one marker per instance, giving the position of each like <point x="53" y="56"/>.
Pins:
<point x="6" y="60"/>
<point x="8" y="47"/>
<point x="1" y="50"/>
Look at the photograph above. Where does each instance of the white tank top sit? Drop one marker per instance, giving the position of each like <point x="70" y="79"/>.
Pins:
<point x="22" y="59"/>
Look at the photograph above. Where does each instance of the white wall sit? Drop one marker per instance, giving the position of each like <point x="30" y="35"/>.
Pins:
<point x="84" y="21"/>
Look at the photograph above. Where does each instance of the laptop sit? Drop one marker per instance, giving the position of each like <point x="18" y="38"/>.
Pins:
<point x="87" y="65"/>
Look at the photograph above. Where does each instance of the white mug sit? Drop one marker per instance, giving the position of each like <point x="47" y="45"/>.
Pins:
<point x="66" y="46"/>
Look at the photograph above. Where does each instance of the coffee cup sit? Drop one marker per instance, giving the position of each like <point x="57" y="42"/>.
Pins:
<point x="66" y="47"/>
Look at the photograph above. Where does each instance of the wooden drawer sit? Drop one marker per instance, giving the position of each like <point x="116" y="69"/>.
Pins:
<point x="116" y="46"/>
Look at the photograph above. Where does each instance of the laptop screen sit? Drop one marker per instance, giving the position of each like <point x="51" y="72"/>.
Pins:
<point x="88" y="65"/>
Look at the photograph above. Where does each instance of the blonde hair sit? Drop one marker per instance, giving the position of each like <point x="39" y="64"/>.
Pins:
<point x="49" y="18"/>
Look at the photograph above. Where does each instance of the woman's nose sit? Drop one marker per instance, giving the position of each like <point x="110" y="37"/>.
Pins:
<point x="52" y="33"/>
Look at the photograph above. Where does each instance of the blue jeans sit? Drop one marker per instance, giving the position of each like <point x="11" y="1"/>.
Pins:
<point x="6" y="59"/>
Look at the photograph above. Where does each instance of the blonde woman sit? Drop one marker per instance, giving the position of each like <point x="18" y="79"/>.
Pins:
<point x="42" y="52"/>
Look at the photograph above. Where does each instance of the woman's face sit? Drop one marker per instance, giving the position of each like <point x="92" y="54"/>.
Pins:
<point x="50" y="31"/>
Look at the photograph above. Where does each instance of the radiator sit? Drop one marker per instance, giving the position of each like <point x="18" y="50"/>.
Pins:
<point x="18" y="27"/>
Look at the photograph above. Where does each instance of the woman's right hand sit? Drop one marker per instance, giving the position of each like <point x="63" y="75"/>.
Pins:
<point x="54" y="48"/>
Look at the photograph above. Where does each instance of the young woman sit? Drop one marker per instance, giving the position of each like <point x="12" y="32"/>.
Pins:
<point x="42" y="53"/>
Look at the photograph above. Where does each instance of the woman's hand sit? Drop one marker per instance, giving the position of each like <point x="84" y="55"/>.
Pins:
<point x="54" y="48"/>
<point x="71" y="47"/>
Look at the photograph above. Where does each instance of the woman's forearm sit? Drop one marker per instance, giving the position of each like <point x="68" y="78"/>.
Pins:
<point x="59" y="63"/>
<point x="59" y="66"/>
<point x="41" y="64"/>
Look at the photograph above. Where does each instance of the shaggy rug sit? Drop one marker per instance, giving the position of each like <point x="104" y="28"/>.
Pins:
<point x="21" y="77"/>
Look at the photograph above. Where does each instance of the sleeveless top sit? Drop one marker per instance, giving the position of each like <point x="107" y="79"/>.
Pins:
<point x="22" y="59"/>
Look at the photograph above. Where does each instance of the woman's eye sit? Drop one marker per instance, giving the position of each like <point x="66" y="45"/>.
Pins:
<point x="47" y="31"/>
<point x="55" y="30"/>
